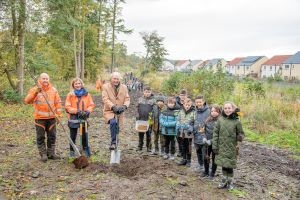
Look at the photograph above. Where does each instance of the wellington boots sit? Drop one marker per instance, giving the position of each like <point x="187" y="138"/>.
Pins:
<point x="223" y="183"/>
<point x="230" y="184"/>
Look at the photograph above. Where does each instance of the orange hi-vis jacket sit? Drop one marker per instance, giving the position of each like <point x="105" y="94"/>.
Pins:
<point x="98" y="85"/>
<point x="73" y="103"/>
<point x="41" y="108"/>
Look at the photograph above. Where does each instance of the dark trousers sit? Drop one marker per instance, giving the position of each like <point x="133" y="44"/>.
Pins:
<point x="73" y="134"/>
<point x="207" y="152"/>
<point x="227" y="172"/>
<point x="114" y="130"/>
<point x="179" y="141"/>
<point x="159" y="139"/>
<point x="169" y="144"/>
<point x="200" y="153"/>
<point x="47" y="126"/>
<point x="148" y="139"/>
<point x="187" y="149"/>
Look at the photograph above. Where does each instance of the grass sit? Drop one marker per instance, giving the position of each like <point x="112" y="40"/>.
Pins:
<point x="238" y="193"/>
<point x="283" y="139"/>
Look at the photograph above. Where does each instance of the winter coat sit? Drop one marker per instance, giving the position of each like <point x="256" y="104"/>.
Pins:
<point x="200" y="116"/>
<point x="41" y="107"/>
<point x="156" y="115"/>
<point x="111" y="97"/>
<point x="227" y="132"/>
<point x="209" y="127"/>
<point x="74" y="104"/>
<point x="145" y="108"/>
<point x="167" y="120"/>
<point x="185" y="122"/>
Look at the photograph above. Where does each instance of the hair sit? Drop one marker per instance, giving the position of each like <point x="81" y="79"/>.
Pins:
<point x="171" y="100"/>
<point x="147" y="88"/>
<point x="232" y="104"/>
<point x="75" y="80"/>
<point x="44" y="74"/>
<point x="217" y="108"/>
<point x="183" y="92"/>
<point x="200" y="96"/>
<point x="117" y="74"/>
<point x="188" y="100"/>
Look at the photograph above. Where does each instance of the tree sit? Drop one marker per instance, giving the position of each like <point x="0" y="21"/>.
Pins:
<point x="155" y="50"/>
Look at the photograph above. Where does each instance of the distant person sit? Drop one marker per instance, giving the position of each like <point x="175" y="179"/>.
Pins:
<point x="226" y="135"/>
<point x="168" y="120"/>
<point x="184" y="126"/>
<point x="99" y="84"/>
<point x="209" y="125"/>
<point x="145" y="110"/>
<point x="116" y="100"/>
<point x="47" y="111"/>
<point x="202" y="111"/>
<point x="79" y="104"/>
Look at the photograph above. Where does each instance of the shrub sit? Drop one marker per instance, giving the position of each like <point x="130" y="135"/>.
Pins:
<point x="11" y="96"/>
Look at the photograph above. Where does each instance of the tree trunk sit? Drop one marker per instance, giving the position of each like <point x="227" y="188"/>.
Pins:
<point x="113" y="37"/>
<point x="82" y="56"/>
<point x="75" y="53"/>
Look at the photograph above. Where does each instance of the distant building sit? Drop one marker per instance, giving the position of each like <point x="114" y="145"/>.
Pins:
<point x="168" y="65"/>
<point x="182" y="65"/>
<point x="231" y="66"/>
<point x="291" y="67"/>
<point x="273" y="66"/>
<point x="250" y="66"/>
<point x="215" y="64"/>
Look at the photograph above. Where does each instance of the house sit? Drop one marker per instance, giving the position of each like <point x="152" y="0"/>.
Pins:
<point x="196" y="64"/>
<point x="215" y="64"/>
<point x="273" y="66"/>
<point x="291" y="67"/>
<point x="168" y="65"/>
<point x="231" y="66"/>
<point x="250" y="66"/>
<point x="182" y="65"/>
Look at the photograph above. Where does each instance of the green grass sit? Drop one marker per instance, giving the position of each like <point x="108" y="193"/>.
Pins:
<point x="238" y="193"/>
<point x="282" y="139"/>
<point x="16" y="111"/>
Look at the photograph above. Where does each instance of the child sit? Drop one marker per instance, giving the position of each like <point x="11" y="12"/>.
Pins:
<point x="145" y="112"/>
<point x="184" y="126"/>
<point x="210" y="123"/>
<point x="79" y="104"/>
<point x="227" y="132"/>
<point x="202" y="111"/>
<point x="167" y="121"/>
<point x="156" y="126"/>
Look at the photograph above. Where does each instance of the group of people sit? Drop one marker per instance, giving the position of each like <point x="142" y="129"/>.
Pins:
<point x="78" y="106"/>
<point x="215" y="132"/>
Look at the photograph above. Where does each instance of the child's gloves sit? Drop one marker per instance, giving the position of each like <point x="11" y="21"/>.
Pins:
<point x="204" y="140"/>
<point x="208" y="142"/>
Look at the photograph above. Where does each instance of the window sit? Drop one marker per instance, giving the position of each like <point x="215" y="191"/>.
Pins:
<point x="271" y="68"/>
<point x="265" y="67"/>
<point x="286" y="66"/>
<point x="238" y="67"/>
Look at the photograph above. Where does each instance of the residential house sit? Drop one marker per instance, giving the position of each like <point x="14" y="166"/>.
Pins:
<point x="196" y="64"/>
<point x="215" y="64"/>
<point x="250" y="66"/>
<point x="182" y="65"/>
<point x="273" y="66"/>
<point x="231" y="66"/>
<point x="168" y="65"/>
<point x="291" y="67"/>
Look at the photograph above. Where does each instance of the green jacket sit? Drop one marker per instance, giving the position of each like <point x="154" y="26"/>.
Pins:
<point x="227" y="132"/>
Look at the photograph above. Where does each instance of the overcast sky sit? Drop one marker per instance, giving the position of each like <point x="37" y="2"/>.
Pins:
<point x="206" y="29"/>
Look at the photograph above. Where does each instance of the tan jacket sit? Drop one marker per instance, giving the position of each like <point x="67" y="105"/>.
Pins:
<point x="111" y="98"/>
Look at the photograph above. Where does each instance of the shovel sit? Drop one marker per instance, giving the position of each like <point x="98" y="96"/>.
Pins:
<point x="115" y="155"/>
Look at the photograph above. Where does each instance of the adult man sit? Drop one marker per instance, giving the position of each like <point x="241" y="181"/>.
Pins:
<point x="116" y="100"/>
<point x="47" y="110"/>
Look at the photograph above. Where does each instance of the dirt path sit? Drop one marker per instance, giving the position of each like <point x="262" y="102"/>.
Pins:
<point x="263" y="173"/>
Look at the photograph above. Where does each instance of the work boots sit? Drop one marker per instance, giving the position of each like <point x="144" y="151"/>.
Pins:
<point x="43" y="152"/>
<point x="51" y="153"/>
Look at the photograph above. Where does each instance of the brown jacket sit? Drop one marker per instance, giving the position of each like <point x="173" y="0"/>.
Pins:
<point x="111" y="98"/>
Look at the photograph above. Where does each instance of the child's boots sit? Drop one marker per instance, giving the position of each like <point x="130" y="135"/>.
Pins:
<point x="223" y="183"/>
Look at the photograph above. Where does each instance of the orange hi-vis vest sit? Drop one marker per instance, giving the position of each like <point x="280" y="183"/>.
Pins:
<point x="41" y="107"/>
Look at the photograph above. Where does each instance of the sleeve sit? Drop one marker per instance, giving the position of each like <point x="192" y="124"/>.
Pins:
<point x="57" y="104"/>
<point x="91" y="104"/>
<point x="68" y="105"/>
<point x="29" y="99"/>
<point x="240" y="132"/>
<point x="106" y="99"/>
<point x="216" y="131"/>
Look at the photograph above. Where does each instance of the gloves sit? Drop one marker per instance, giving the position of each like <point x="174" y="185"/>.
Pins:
<point x="38" y="89"/>
<point x="83" y="114"/>
<point x="208" y="142"/>
<point x="118" y="109"/>
<point x="204" y="140"/>
<point x="86" y="114"/>
<point x="216" y="151"/>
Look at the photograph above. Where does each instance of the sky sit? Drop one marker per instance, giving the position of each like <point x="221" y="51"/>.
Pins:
<point x="207" y="29"/>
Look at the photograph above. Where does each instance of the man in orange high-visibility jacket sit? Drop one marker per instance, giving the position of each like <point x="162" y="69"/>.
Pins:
<point x="45" y="117"/>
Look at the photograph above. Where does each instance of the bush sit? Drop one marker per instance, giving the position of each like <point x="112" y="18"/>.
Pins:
<point x="11" y="96"/>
